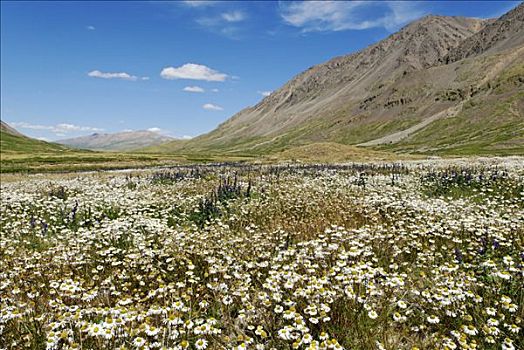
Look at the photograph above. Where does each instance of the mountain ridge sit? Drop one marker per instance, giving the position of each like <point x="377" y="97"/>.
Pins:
<point x="308" y="81"/>
<point x="498" y="34"/>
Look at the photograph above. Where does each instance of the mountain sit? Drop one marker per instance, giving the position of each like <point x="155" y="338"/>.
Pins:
<point x="450" y="85"/>
<point x="122" y="141"/>
<point x="497" y="36"/>
<point x="5" y="128"/>
<point x="13" y="142"/>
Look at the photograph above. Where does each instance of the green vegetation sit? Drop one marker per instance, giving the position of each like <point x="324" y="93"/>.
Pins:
<point x="461" y="182"/>
<point x="14" y="144"/>
<point x="78" y="161"/>
<point x="24" y="154"/>
<point x="315" y="131"/>
<point x="329" y="152"/>
<point x="491" y="125"/>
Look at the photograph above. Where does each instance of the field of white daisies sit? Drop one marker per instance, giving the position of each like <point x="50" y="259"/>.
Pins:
<point x="425" y="255"/>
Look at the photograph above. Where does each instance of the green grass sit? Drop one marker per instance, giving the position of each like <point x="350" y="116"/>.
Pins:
<point x="21" y="154"/>
<point x="488" y="125"/>
<point x="457" y="184"/>
<point x="24" y="154"/>
<point x="83" y="161"/>
<point x="13" y="144"/>
<point x="313" y="131"/>
<point x="328" y="152"/>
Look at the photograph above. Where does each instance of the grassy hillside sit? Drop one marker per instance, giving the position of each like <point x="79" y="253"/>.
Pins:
<point x="13" y="144"/>
<point x="469" y="133"/>
<point x="490" y="123"/>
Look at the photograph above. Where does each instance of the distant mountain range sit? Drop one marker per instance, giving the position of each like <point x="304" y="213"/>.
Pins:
<point x="444" y="85"/>
<point x="121" y="141"/>
<point x="12" y="141"/>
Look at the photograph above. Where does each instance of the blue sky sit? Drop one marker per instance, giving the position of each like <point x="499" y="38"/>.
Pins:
<point x="74" y="68"/>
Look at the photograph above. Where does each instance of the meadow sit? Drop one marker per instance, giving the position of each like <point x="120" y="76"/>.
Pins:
<point x="411" y="255"/>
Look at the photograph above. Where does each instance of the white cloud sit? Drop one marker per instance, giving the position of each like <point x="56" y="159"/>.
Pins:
<point x="193" y="89"/>
<point x="344" y="15"/>
<point x="215" y="90"/>
<point x="43" y="139"/>
<point x="155" y="129"/>
<point x="192" y="71"/>
<point x="265" y="93"/>
<point x="90" y="28"/>
<point x="58" y="129"/>
<point x="186" y="137"/>
<point x="106" y="75"/>
<point x="234" y="16"/>
<point x="212" y="107"/>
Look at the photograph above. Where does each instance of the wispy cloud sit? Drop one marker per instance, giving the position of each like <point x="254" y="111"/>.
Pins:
<point x="234" y="16"/>
<point x="224" y="23"/>
<point x="193" y="89"/>
<point x="194" y="72"/>
<point x="110" y="75"/>
<point x="344" y="15"/>
<point x="401" y="13"/>
<point x="200" y="3"/>
<point x="265" y="93"/>
<point x="58" y="129"/>
<point x="212" y="107"/>
<point x="90" y="28"/>
<point x="218" y="25"/>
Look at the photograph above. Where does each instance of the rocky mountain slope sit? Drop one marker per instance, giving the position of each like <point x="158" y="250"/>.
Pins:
<point x="505" y="33"/>
<point x="461" y="74"/>
<point x="122" y="141"/>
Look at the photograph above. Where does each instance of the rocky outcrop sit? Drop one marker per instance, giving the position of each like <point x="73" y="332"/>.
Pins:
<point x="507" y="31"/>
